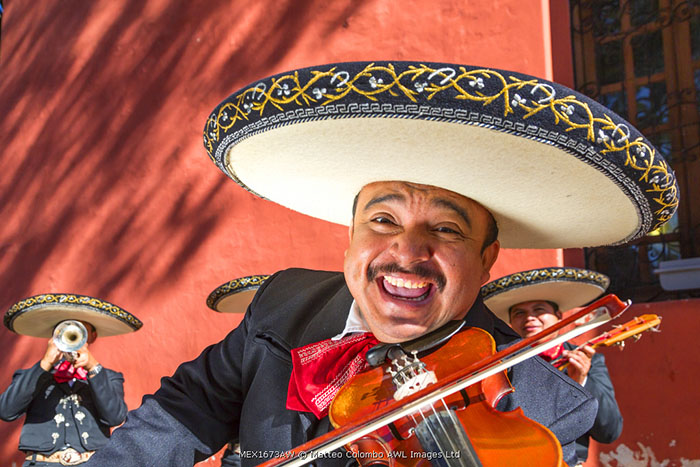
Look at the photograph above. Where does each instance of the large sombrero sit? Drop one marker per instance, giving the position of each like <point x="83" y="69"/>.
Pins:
<point x="554" y="167"/>
<point x="567" y="287"/>
<point x="38" y="315"/>
<point x="235" y="295"/>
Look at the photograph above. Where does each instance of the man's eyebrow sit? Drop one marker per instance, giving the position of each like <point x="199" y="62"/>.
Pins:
<point x="381" y="199"/>
<point x="449" y="204"/>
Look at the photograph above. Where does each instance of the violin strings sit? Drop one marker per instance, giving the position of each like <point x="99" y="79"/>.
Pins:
<point x="435" y="438"/>
<point x="430" y="429"/>
<point x="454" y="421"/>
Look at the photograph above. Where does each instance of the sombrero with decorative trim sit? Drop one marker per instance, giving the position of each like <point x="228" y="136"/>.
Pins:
<point x="38" y="315"/>
<point x="555" y="168"/>
<point x="567" y="287"/>
<point x="235" y="295"/>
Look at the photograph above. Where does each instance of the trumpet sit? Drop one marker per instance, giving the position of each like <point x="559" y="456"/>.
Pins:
<point x="69" y="336"/>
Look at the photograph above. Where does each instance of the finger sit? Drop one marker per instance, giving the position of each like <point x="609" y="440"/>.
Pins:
<point x="582" y="355"/>
<point x="588" y="350"/>
<point x="575" y="365"/>
<point x="577" y="360"/>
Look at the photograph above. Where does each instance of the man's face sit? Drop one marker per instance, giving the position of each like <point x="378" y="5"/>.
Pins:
<point x="92" y="332"/>
<point x="415" y="260"/>
<point x="529" y="318"/>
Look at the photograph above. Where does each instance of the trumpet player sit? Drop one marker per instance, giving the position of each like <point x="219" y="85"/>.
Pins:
<point x="70" y="401"/>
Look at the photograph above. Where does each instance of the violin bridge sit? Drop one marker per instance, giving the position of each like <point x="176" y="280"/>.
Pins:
<point x="409" y="375"/>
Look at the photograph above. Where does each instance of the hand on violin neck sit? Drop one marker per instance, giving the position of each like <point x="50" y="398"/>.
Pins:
<point x="579" y="363"/>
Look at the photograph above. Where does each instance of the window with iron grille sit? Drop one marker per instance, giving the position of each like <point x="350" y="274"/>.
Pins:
<point x="641" y="58"/>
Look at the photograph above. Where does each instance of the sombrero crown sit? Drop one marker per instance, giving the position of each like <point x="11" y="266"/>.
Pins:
<point x="555" y="168"/>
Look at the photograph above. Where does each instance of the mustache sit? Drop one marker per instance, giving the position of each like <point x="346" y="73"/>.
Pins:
<point x="419" y="270"/>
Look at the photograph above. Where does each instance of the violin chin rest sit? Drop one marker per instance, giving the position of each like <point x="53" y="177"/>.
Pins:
<point x="380" y="353"/>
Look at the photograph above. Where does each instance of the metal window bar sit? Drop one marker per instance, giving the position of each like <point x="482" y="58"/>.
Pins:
<point x="642" y="59"/>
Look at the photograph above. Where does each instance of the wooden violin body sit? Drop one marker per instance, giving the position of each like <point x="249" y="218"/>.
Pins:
<point x="377" y="414"/>
<point x="463" y="429"/>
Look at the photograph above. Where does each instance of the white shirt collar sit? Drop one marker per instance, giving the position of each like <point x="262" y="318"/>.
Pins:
<point x="355" y="323"/>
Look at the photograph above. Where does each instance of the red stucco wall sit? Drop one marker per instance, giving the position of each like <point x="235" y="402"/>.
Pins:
<point x="656" y="381"/>
<point x="105" y="188"/>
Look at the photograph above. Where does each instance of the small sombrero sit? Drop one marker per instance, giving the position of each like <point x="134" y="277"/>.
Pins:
<point x="555" y="168"/>
<point x="235" y="295"/>
<point x="567" y="287"/>
<point x="38" y="315"/>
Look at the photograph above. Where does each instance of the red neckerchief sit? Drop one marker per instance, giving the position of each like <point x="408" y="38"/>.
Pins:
<point x="321" y="369"/>
<point x="65" y="371"/>
<point x="554" y="352"/>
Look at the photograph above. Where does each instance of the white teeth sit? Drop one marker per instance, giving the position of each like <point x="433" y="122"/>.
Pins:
<point x="398" y="282"/>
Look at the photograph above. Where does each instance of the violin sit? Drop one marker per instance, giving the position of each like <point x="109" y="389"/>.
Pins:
<point x="439" y="409"/>
<point x="617" y="336"/>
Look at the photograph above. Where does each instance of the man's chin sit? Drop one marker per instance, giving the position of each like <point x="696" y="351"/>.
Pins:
<point x="402" y="331"/>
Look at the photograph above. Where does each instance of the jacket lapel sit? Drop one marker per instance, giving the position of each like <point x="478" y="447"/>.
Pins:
<point x="330" y="321"/>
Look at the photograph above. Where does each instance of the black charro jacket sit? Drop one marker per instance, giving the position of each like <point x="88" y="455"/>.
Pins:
<point x="237" y="389"/>
<point x="58" y="415"/>
<point x="608" y="421"/>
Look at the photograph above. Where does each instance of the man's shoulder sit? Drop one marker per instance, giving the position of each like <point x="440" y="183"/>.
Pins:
<point x="299" y="276"/>
<point x="113" y="373"/>
<point x="316" y="302"/>
<point x="293" y="283"/>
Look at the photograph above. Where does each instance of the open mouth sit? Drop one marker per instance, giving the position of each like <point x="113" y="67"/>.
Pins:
<point x="404" y="289"/>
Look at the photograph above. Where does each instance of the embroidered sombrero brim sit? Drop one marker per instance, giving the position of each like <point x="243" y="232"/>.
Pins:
<point x="567" y="287"/>
<point x="38" y="315"/>
<point x="234" y="296"/>
<point x="554" y="167"/>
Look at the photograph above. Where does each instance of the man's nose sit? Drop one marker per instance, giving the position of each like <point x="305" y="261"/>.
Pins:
<point x="532" y="315"/>
<point x="411" y="247"/>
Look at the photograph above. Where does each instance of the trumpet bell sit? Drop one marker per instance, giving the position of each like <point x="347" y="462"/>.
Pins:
<point x="70" y="336"/>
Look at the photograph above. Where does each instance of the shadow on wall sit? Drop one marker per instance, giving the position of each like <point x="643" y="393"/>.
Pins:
<point x="103" y="103"/>
<point x="104" y="180"/>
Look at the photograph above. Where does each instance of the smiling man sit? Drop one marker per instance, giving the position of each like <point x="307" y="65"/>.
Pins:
<point x="439" y="160"/>
<point x="417" y="257"/>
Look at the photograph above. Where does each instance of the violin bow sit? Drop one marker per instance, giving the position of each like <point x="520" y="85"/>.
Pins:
<point x="617" y="335"/>
<point x="594" y="315"/>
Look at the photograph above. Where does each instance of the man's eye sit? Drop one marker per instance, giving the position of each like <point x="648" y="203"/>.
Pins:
<point x="448" y="230"/>
<point x="382" y="220"/>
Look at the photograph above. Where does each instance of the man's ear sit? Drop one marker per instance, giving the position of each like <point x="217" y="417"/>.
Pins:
<point x="488" y="258"/>
<point x="350" y="233"/>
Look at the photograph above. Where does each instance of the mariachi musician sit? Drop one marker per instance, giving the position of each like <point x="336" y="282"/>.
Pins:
<point x="433" y="167"/>
<point x="534" y="300"/>
<point x="234" y="296"/>
<point x="70" y="401"/>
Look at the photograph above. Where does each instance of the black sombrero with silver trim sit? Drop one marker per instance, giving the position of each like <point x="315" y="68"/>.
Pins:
<point x="235" y="295"/>
<point x="555" y="168"/>
<point x="38" y="315"/>
<point x="567" y="287"/>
